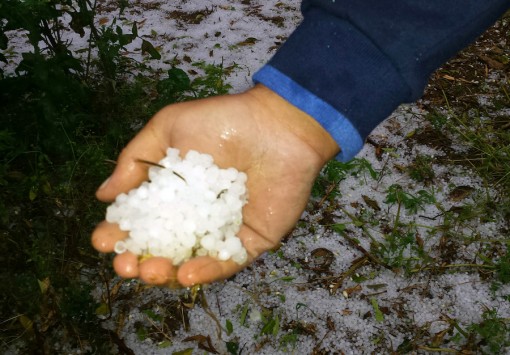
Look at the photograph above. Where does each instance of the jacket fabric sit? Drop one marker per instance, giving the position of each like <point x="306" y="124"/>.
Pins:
<point x="350" y="63"/>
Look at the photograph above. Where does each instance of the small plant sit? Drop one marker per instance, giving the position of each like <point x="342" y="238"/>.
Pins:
<point x="363" y="166"/>
<point x="421" y="169"/>
<point x="492" y="334"/>
<point x="403" y="246"/>
<point x="335" y="171"/>
<point x="501" y="267"/>
<point x="271" y="325"/>
<point x="178" y="86"/>
<point x="412" y="203"/>
<point x="437" y="119"/>
<point x="331" y="175"/>
<point x="212" y="82"/>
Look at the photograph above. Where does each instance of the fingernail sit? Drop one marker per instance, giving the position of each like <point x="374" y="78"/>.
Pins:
<point x="103" y="185"/>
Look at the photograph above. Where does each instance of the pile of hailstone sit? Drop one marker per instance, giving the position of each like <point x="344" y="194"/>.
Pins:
<point x="189" y="207"/>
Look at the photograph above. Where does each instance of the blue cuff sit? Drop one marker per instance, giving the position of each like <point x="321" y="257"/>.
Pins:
<point x="337" y="125"/>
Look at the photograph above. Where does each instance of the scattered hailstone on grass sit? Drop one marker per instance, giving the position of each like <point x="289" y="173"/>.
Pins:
<point x="189" y="207"/>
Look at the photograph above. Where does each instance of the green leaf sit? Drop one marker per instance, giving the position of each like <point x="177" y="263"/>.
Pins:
<point x="272" y="326"/>
<point x="80" y="20"/>
<point x="276" y="327"/>
<point x="287" y="278"/>
<point x="358" y="279"/>
<point x="126" y="39"/>
<point x="379" y="316"/>
<point x="26" y="322"/>
<point x="148" y="48"/>
<point x="188" y="351"/>
<point x="232" y="347"/>
<point x="164" y="344"/>
<point x="44" y="285"/>
<point x="178" y="80"/>
<point x="229" y="327"/>
<point x="102" y="310"/>
<point x="244" y="314"/>
<point x="32" y="194"/>
<point x="339" y="227"/>
<point x="142" y="333"/>
<point x="153" y="315"/>
<point x="134" y="29"/>
<point x="3" y="40"/>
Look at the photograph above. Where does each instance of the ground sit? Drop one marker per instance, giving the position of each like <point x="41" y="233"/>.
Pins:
<point x="397" y="252"/>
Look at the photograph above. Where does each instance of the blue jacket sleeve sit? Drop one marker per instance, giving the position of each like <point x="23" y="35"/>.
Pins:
<point x="349" y="64"/>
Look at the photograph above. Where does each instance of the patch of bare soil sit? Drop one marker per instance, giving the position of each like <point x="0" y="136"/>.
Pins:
<point x="184" y="18"/>
<point x="469" y="74"/>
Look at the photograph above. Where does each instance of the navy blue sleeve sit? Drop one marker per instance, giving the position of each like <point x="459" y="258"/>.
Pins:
<point x="350" y="63"/>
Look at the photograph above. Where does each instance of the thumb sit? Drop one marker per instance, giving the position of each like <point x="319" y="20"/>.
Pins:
<point x="131" y="171"/>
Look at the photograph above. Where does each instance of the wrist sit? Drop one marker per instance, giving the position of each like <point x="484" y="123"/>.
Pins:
<point x="295" y="121"/>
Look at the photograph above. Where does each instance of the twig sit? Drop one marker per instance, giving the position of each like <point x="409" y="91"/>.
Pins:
<point x="440" y="350"/>
<point x="364" y="251"/>
<point x="207" y="310"/>
<point x="159" y="166"/>
<point x="328" y="192"/>
<point x="356" y="265"/>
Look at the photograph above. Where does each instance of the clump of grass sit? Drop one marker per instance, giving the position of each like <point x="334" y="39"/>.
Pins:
<point x="489" y="137"/>
<point x="335" y="171"/>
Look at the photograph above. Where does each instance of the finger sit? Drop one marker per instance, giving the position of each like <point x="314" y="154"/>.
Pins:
<point x="148" y="145"/>
<point x="106" y="235"/>
<point x="157" y="271"/>
<point x="205" y="269"/>
<point x="126" y="265"/>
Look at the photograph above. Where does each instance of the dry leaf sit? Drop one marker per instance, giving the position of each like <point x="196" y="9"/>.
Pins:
<point x="460" y="193"/>
<point x="355" y="289"/>
<point x="346" y="312"/>
<point x="204" y="342"/>
<point x="103" y="20"/>
<point x="44" y="284"/>
<point x="248" y="42"/>
<point x="371" y="203"/>
<point x="419" y="241"/>
<point x="437" y="339"/>
<point x="26" y="322"/>
<point x="493" y="63"/>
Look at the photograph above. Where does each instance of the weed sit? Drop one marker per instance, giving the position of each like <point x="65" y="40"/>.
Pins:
<point x="212" y="82"/>
<point x="491" y="334"/>
<point x="437" y="119"/>
<point x="412" y="203"/>
<point x="501" y="267"/>
<point x="421" y="169"/>
<point x="232" y="347"/>
<point x="335" y="171"/>
<point x="271" y="326"/>
<point x="289" y="339"/>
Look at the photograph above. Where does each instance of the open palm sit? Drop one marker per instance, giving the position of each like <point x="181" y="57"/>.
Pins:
<point x="280" y="148"/>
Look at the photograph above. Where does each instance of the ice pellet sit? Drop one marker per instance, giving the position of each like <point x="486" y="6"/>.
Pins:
<point x="189" y="208"/>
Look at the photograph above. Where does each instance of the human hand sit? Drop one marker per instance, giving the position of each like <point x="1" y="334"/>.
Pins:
<point x="279" y="147"/>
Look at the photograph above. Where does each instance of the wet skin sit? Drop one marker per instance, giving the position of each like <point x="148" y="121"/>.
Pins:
<point x="279" y="147"/>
